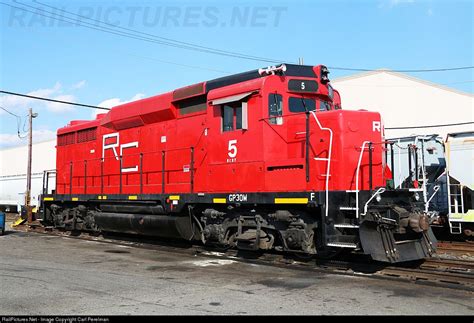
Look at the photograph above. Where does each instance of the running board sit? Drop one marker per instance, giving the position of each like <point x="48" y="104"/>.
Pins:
<point x="348" y="208"/>
<point x="343" y="225"/>
<point x="342" y="245"/>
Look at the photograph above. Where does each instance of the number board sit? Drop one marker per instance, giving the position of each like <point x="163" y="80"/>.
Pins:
<point x="302" y="86"/>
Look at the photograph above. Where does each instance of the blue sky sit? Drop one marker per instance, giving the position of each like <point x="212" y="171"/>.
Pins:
<point x="45" y="57"/>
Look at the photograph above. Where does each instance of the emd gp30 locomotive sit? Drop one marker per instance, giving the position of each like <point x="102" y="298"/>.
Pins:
<point x="260" y="160"/>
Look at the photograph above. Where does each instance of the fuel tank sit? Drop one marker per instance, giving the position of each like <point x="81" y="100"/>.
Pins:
<point x="165" y="226"/>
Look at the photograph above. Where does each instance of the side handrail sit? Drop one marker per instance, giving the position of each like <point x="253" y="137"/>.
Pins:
<point x="378" y="192"/>
<point x="357" y="176"/>
<point x="427" y="203"/>
<point x="328" y="169"/>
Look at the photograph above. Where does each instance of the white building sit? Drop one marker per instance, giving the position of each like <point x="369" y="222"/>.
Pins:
<point x="13" y="167"/>
<point x="406" y="101"/>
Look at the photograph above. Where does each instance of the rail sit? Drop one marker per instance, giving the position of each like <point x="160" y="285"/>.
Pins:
<point x="46" y="176"/>
<point x="357" y="176"/>
<point x="378" y="192"/>
<point x="328" y="169"/>
<point x="84" y="181"/>
<point x="427" y="203"/>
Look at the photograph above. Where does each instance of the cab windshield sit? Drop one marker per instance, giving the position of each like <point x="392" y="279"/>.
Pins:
<point x="298" y="105"/>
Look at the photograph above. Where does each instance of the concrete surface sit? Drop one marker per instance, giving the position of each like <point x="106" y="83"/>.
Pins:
<point x="47" y="275"/>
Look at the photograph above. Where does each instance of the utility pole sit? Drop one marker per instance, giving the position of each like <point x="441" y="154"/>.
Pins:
<point x="29" y="213"/>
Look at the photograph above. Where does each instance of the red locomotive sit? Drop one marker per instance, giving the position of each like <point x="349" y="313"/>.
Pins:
<point x="264" y="159"/>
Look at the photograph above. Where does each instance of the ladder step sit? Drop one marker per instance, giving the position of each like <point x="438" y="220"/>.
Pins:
<point x="351" y="191"/>
<point x="348" y="208"/>
<point x="342" y="245"/>
<point x="317" y="158"/>
<point x="344" y="225"/>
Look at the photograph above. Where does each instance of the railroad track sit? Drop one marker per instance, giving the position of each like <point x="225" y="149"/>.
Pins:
<point x="447" y="273"/>
<point x="456" y="247"/>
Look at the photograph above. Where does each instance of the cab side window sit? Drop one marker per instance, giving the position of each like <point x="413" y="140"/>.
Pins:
<point x="275" y="108"/>
<point x="324" y="106"/>
<point x="232" y="116"/>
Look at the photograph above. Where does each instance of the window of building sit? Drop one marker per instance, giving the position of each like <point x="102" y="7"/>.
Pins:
<point x="275" y="108"/>
<point x="298" y="104"/>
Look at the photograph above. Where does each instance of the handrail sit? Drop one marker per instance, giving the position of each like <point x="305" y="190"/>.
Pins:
<point x="120" y="173"/>
<point x="357" y="176"/>
<point x="427" y="203"/>
<point x="379" y="191"/>
<point x="328" y="170"/>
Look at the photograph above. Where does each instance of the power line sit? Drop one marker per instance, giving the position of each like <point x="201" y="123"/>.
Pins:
<point x="10" y="112"/>
<point x="179" y="64"/>
<point x="138" y="35"/>
<point x="51" y="100"/>
<point x="18" y="122"/>
<point x="152" y="35"/>
<point x="432" y="126"/>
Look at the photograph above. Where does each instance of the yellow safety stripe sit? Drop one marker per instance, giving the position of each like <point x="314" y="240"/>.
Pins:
<point x="291" y="200"/>
<point x="219" y="200"/>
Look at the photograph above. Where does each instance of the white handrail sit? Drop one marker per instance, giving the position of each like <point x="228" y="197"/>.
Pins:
<point x="379" y="191"/>
<point x="427" y="203"/>
<point x="357" y="176"/>
<point x="422" y="162"/>
<point x="329" y="159"/>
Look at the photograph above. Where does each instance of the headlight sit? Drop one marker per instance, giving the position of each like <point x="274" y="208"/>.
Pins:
<point x="378" y="198"/>
<point x="417" y="196"/>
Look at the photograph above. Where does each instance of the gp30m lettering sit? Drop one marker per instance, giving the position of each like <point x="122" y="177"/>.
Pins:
<point x="237" y="197"/>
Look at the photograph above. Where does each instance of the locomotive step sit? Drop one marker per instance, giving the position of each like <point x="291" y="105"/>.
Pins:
<point x="346" y="225"/>
<point x="348" y="208"/>
<point x="342" y="245"/>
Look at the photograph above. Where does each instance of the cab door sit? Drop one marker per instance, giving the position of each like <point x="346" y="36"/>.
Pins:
<point x="235" y="144"/>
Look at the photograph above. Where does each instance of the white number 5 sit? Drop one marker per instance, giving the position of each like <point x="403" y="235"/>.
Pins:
<point x="232" y="148"/>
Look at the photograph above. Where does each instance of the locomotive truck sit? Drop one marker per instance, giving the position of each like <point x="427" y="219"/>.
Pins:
<point x="260" y="160"/>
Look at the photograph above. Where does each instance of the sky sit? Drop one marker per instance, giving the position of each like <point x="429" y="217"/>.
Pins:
<point x="66" y="61"/>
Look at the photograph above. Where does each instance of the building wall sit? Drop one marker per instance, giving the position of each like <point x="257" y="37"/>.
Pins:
<point x="13" y="168"/>
<point x="406" y="101"/>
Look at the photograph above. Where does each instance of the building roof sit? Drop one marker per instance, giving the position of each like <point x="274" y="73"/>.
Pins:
<point x="401" y="75"/>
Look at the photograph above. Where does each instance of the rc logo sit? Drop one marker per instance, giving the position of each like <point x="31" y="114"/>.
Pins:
<point x="376" y="125"/>
<point x="112" y="141"/>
